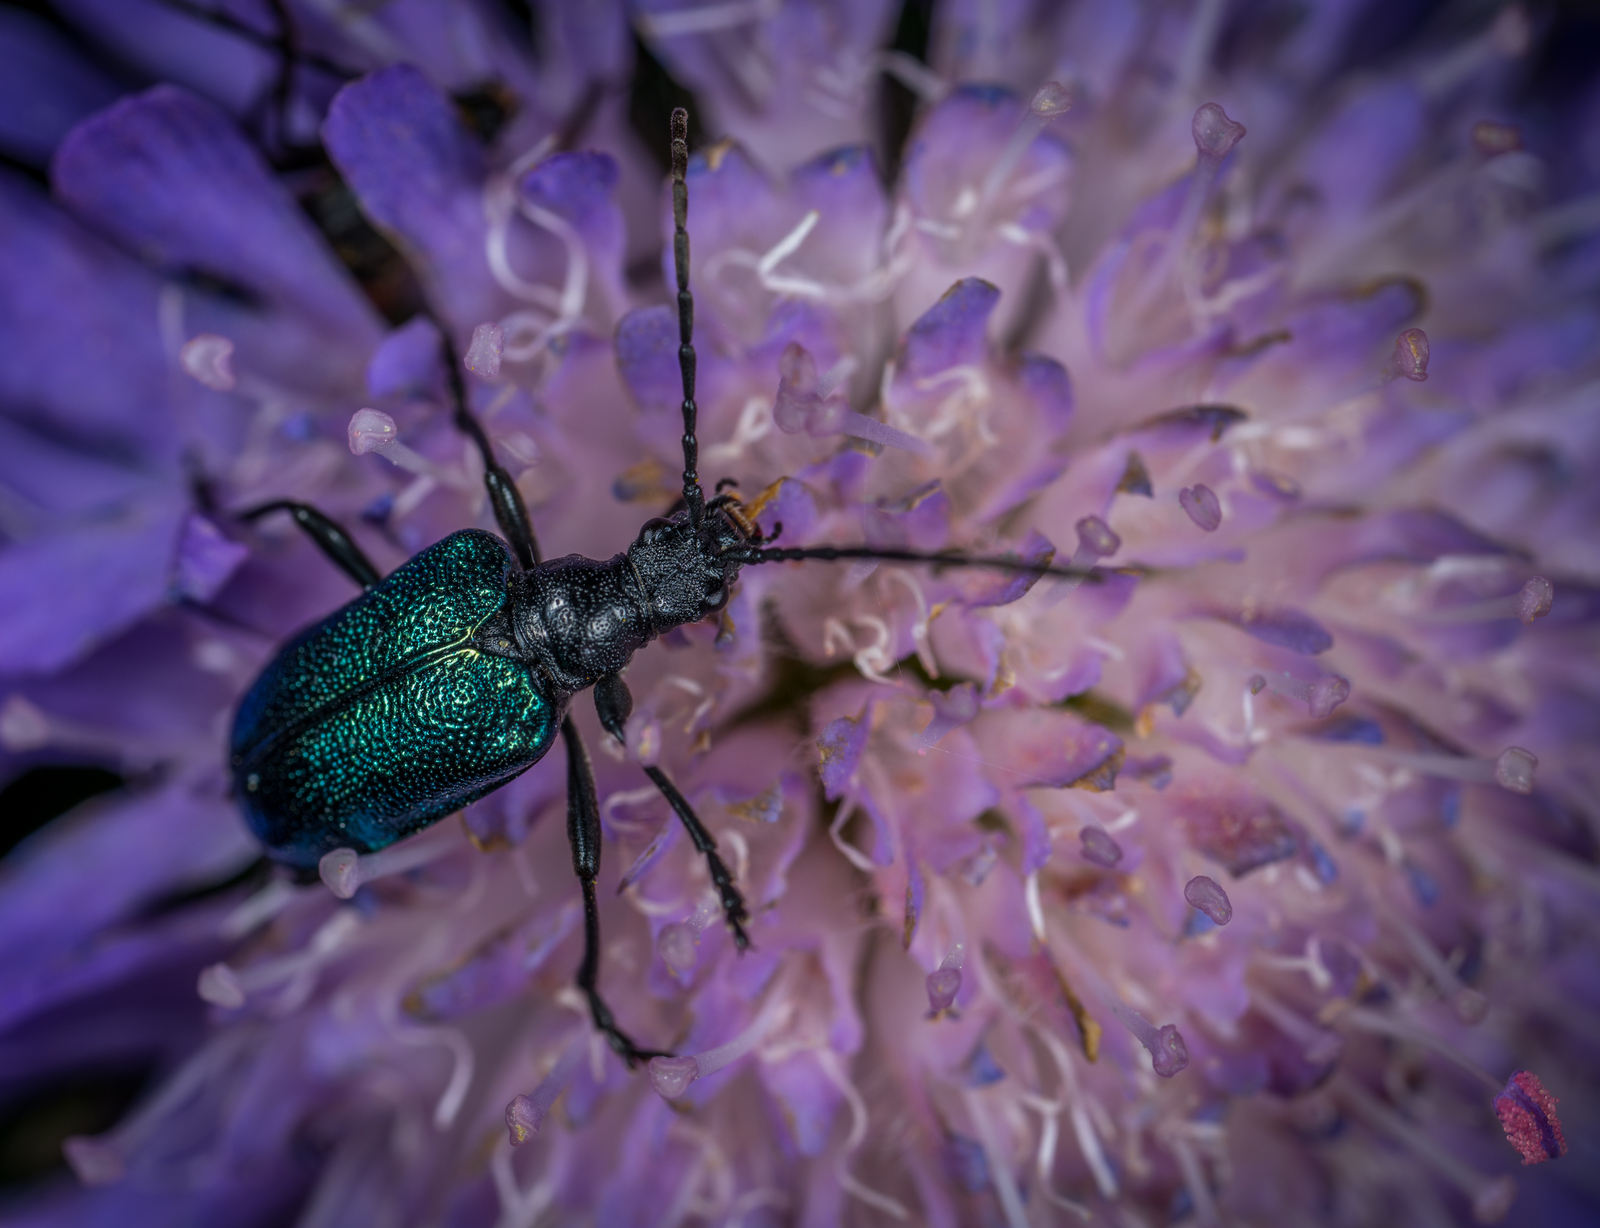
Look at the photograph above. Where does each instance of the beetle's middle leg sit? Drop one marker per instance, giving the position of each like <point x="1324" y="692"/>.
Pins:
<point x="614" y="702"/>
<point x="583" y="833"/>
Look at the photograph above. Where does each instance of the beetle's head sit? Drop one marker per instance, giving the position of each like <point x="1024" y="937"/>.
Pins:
<point x="688" y="575"/>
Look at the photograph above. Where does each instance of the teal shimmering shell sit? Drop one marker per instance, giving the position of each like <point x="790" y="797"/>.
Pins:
<point x="384" y="718"/>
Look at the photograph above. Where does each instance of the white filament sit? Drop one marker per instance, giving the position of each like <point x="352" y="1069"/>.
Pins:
<point x="829" y="1061"/>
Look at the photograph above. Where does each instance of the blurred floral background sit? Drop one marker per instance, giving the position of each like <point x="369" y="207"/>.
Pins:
<point x="1253" y="883"/>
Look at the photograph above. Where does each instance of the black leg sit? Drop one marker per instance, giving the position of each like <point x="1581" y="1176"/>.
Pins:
<point x="614" y="703"/>
<point x="510" y="513"/>
<point x="583" y="833"/>
<point x="329" y="537"/>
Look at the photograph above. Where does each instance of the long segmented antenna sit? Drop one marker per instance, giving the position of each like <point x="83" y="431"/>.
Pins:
<point x="751" y="556"/>
<point x="693" y="497"/>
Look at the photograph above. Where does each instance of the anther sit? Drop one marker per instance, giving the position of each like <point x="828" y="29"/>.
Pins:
<point x="1535" y="599"/>
<point x="1099" y="848"/>
<point x="525" y="1114"/>
<point x="944" y="983"/>
<point x="1320" y="697"/>
<point x="1096" y="539"/>
<point x="1214" y="133"/>
<point x="1492" y="139"/>
<point x="208" y="358"/>
<point x="1410" y="357"/>
<point x="1050" y="101"/>
<point x="1202" y="505"/>
<point x="679" y="941"/>
<point x="671" y="1076"/>
<point x="24" y="726"/>
<point x="345" y="871"/>
<point x="806" y="403"/>
<point x="484" y="354"/>
<point x="1529" y="603"/>
<point x="1207" y="895"/>
<point x="372" y="430"/>
<point x="1512" y="769"/>
<point x="1168" y="1052"/>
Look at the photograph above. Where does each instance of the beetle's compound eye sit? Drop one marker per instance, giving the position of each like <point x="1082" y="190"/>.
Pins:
<point x="715" y="599"/>
<point x="652" y="529"/>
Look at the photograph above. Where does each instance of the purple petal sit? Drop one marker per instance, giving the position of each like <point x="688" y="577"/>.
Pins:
<point x="110" y="859"/>
<point x="168" y="176"/>
<point x="953" y="332"/>
<point x="399" y="145"/>
<point x="809" y="1099"/>
<point x="1046" y="381"/>
<point x="580" y="188"/>
<point x="843" y="185"/>
<point x="647" y="355"/>
<point x="1361" y="151"/>
<point x="169" y="46"/>
<point x="65" y="294"/>
<point x="839" y="747"/>
<point x="951" y="709"/>
<point x="63" y="480"/>
<point x="135" y="955"/>
<point x="1289" y="629"/>
<point x="1043" y="746"/>
<point x="46" y="86"/>
<point x="1036" y="548"/>
<point x="1242" y="835"/>
<point x="206" y="559"/>
<point x="408" y="362"/>
<point x="499" y="970"/>
<point x="130" y="561"/>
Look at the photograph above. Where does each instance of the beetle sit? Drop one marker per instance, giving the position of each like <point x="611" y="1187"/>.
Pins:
<point x="448" y="678"/>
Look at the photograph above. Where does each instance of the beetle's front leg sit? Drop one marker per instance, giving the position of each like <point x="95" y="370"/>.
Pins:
<point x="614" y="703"/>
<point x="583" y="833"/>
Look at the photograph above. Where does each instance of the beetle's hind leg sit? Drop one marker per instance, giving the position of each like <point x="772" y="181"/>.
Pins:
<point x="614" y="703"/>
<point x="583" y="833"/>
<point x="332" y="540"/>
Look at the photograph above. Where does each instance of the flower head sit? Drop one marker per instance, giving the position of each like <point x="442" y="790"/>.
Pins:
<point x="1220" y="878"/>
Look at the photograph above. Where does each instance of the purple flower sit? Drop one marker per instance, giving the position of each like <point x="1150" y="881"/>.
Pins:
<point x="1226" y="884"/>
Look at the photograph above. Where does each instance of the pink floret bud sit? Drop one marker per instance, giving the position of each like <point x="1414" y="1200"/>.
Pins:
<point x="1527" y="1113"/>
